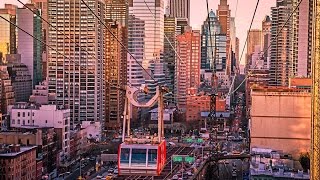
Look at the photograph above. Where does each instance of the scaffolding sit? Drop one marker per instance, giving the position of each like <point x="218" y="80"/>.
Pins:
<point x="315" y="147"/>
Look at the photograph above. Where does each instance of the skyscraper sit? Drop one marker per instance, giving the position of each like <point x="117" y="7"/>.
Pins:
<point x="304" y="39"/>
<point x="153" y="27"/>
<point x="180" y="9"/>
<point x="117" y="14"/>
<point x="170" y="25"/>
<point x="280" y="52"/>
<point x="29" y="48"/>
<point x="254" y="39"/>
<point x="213" y="49"/>
<point x="136" y="35"/>
<point x="42" y="5"/>
<point x="188" y="67"/>
<point x="77" y="74"/>
<point x="115" y="76"/>
<point x="8" y="31"/>
<point x="266" y="35"/>
<point x="224" y="13"/>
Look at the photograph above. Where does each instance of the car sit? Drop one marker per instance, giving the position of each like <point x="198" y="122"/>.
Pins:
<point x="111" y="170"/>
<point x="115" y="171"/>
<point x="99" y="177"/>
<point x="189" y="173"/>
<point x="175" y="177"/>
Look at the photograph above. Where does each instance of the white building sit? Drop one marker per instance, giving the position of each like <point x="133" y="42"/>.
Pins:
<point x="41" y="95"/>
<point x="28" y="116"/>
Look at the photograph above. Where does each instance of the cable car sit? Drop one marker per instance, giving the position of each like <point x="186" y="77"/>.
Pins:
<point x="144" y="159"/>
<point x="147" y="155"/>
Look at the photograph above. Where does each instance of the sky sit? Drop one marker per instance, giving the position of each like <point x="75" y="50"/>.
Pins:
<point x="199" y="12"/>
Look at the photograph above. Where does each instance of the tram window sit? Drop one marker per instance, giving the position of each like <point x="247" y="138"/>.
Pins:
<point x="152" y="156"/>
<point x="124" y="158"/>
<point x="138" y="156"/>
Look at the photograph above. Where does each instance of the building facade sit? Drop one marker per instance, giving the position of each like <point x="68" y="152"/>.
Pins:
<point x="7" y="92"/>
<point x="29" y="48"/>
<point x="117" y="16"/>
<point x="180" y="9"/>
<point x="188" y="67"/>
<point x="254" y="39"/>
<point x="44" y="138"/>
<point x="115" y="75"/>
<point x="18" y="162"/>
<point x="280" y="119"/>
<point x="31" y="116"/>
<point x="170" y="26"/>
<point x="224" y="17"/>
<point x="42" y="5"/>
<point x="21" y="82"/>
<point x="281" y="65"/>
<point x="8" y="31"/>
<point x="77" y="78"/>
<point x="153" y="21"/>
<point x="265" y="39"/>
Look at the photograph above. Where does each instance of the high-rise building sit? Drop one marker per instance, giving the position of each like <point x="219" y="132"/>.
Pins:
<point x="29" y="48"/>
<point x="153" y="28"/>
<point x="136" y="35"/>
<point x="304" y="39"/>
<point x="170" y="25"/>
<point x="117" y="16"/>
<point x="281" y="65"/>
<point x="77" y="78"/>
<point x="213" y="45"/>
<point x="237" y="50"/>
<point x="8" y="31"/>
<point x="188" y="67"/>
<point x="42" y="5"/>
<point x="254" y="39"/>
<point x="115" y="75"/>
<point x="266" y="35"/>
<point x="180" y="9"/>
<point x="224" y="13"/>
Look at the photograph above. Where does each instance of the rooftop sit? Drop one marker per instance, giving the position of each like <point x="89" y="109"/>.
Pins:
<point x="6" y="151"/>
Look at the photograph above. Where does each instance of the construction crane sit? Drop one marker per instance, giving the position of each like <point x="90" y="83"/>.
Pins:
<point x="315" y="122"/>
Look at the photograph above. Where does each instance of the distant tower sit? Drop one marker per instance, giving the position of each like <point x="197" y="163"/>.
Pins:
<point x="266" y="35"/>
<point x="180" y="9"/>
<point x="224" y="13"/>
<point x="29" y="48"/>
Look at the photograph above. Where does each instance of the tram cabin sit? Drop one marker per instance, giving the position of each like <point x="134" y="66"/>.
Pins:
<point x="142" y="159"/>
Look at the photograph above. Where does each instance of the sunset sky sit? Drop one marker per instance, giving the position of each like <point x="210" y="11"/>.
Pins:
<point x="199" y="13"/>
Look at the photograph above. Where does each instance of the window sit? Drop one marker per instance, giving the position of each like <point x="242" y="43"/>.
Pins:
<point x="18" y="121"/>
<point x="23" y="114"/>
<point x="46" y="121"/>
<point x="32" y="113"/>
<point x="18" y="114"/>
<point x="124" y="156"/>
<point x="138" y="156"/>
<point x="13" y="121"/>
<point x="23" y="122"/>
<point x="28" y="114"/>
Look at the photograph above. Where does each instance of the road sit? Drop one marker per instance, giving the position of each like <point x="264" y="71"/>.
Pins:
<point x="75" y="174"/>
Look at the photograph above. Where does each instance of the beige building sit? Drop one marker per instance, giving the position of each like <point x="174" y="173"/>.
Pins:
<point x="281" y="119"/>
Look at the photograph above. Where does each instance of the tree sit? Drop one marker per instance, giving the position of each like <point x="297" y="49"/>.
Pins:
<point x="305" y="161"/>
